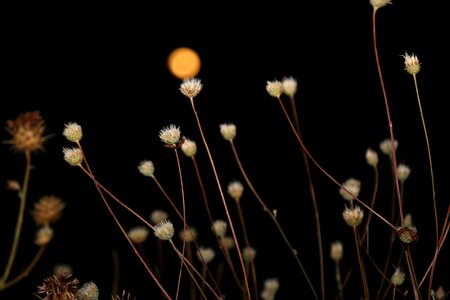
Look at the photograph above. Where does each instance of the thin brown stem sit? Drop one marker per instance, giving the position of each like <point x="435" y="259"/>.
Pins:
<point x="26" y="271"/>
<point x="429" y="158"/>
<point x="365" y="235"/>
<point x="274" y="219"/>
<point x="219" y="185"/>
<point x="20" y="217"/>
<point x="313" y="199"/>
<point x="361" y="264"/>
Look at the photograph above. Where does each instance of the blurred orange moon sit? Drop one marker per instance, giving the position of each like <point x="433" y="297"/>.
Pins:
<point x="183" y="62"/>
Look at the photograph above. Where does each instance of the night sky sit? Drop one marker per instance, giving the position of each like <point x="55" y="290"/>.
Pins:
<point x="104" y="67"/>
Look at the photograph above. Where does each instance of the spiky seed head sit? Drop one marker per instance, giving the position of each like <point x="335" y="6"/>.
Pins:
<point x="235" y="190"/>
<point x="353" y="216"/>
<point x="407" y="234"/>
<point x="189" y="148"/>
<point x="43" y="236"/>
<point x="138" y="234"/>
<point x="73" y="156"/>
<point x="227" y="242"/>
<point x="379" y="3"/>
<point x="164" y="230"/>
<point x="73" y="132"/>
<point x="403" y="172"/>
<point x="336" y="251"/>
<point x="191" y="87"/>
<point x="398" y="277"/>
<point x="289" y="86"/>
<point x="59" y="286"/>
<point x="412" y="64"/>
<point x="219" y="227"/>
<point x="158" y="215"/>
<point x="228" y="131"/>
<point x="205" y="254"/>
<point x="248" y="254"/>
<point x="27" y="132"/>
<point x="170" y="135"/>
<point x="47" y="210"/>
<point x="271" y="284"/>
<point x="88" y="291"/>
<point x="147" y="168"/>
<point x="386" y="146"/>
<point x="274" y="88"/>
<point x="189" y="235"/>
<point x="350" y="189"/>
<point x="371" y="157"/>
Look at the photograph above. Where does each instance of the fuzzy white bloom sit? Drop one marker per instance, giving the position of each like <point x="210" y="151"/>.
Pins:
<point x="379" y="3"/>
<point x="73" y="132"/>
<point x="235" y="190"/>
<point x="274" y="88"/>
<point x="353" y="186"/>
<point x="138" y="234"/>
<point x="189" y="235"/>
<point x="164" y="230"/>
<point x="227" y="242"/>
<point x="191" y="87"/>
<point x="170" y="135"/>
<point x="248" y="254"/>
<point x="403" y="172"/>
<point x="219" y="227"/>
<point x="228" y="131"/>
<point x="398" y="277"/>
<point x="289" y="86"/>
<point x="158" y="215"/>
<point x="386" y="146"/>
<point x="271" y="286"/>
<point x="43" y="236"/>
<point x="189" y="148"/>
<point x="205" y="254"/>
<point x="73" y="156"/>
<point x="336" y="251"/>
<point x="407" y="220"/>
<point x="147" y="168"/>
<point x="62" y="269"/>
<point x="412" y="64"/>
<point x="89" y="291"/>
<point x="353" y="216"/>
<point x="371" y="157"/>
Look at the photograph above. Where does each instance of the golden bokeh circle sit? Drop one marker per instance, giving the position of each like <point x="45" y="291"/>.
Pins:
<point x="183" y="63"/>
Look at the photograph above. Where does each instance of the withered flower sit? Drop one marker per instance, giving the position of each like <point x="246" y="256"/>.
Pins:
<point x="60" y="286"/>
<point x="47" y="210"/>
<point x="27" y="132"/>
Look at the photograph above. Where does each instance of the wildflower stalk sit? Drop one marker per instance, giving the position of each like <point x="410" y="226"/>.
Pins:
<point x="365" y="235"/>
<point x="88" y="171"/>
<point x="222" y="197"/>
<point x="274" y="219"/>
<point x="26" y="271"/>
<point x="313" y="199"/>
<point x="361" y="263"/>
<point x="429" y="157"/>
<point x="407" y="252"/>
<point x="20" y="216"/>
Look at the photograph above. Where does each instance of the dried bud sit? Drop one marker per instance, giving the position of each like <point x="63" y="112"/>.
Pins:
<point x="235" y="190"/>
<point x="379" y="3"/>
<point x="43" y="236"/>
<point x="147" y="168"/>
<point x="407" y="234"/>
<point x="89" y="291"/>
<point x="164" y="230"/>
<point x="27" y="132"/>
<point x="205" y="254"/>
<point x="372" y="157"/>
<point x="191" y="87"/>
<point x="412" y="65"/>
<point x="227" y="242"/>
<point x="274" y="88"/>
<point x="336" y="251"/>
<point x="171" y="136"/>
<point x="189" y="148"/>
<point x="386" y="146"/>
<point x="248" y="254"/>
<point x="73" y="132"/>
<point x="189" y="235"/>
<point x="398" y="277"/>
<point x="228" y="131"/>
<point x="158" y="215"/>
<point x="350" y="189"/>
<point x="403" y="172"/>
<point x="219" y="227"/>
<point x="353" y="216"/>
<point x="138" y="234"/>
<point x="13" y="185"/>
<point x="47" y="210"/>
<point x="73" y="156"/>
<point x="289" y="86"/>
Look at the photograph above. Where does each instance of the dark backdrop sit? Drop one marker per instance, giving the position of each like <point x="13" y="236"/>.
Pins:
<point x="104" y="67"/>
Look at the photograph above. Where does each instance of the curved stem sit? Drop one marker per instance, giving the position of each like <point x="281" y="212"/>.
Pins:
<point x="20" y="216"/>
<point x="274" y="219"/>
<point x="219" y="185"/>
<point x="429" y="158"/>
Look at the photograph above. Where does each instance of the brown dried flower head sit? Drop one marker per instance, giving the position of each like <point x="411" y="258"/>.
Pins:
<point x="407" y="234"/>
<point x="60" y="286"/>
<point x="47" y="210"/>
<point x="27" y="132"/>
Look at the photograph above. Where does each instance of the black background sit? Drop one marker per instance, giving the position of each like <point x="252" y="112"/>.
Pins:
<point x="104" y="67"/>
